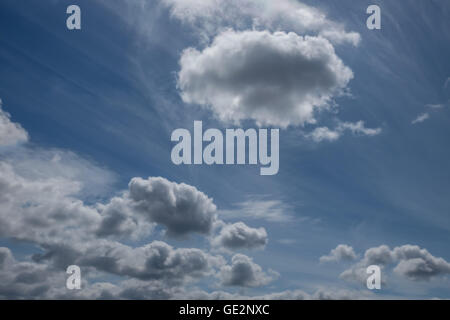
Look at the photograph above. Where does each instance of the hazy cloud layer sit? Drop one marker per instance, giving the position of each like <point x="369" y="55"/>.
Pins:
<point x="259" y="208"/>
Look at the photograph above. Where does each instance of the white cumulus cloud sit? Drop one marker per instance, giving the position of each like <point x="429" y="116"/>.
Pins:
<point x="241" y="236"/>
<point x="10" y="133"/>
<point x="278" y="79"/>
<point x="342" y="252"/>
<point x="244" y="272"/>
<point x="409" y="261"/>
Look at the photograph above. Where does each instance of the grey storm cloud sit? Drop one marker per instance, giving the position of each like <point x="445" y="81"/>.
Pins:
<point x="10" y="133"/>
<point x="244" y="272"/>
<point x="241" y="236"/>
<point x="341" y="253"/>
<point x="272" y="78"/>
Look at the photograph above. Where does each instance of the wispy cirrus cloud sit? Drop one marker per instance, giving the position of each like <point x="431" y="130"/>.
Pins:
<point x="426" y="115"/>
<point x="356" y="128"/>
<point x="210" y="17"/>
<point x="421" y="118"/>
<point x="447" y="83"/>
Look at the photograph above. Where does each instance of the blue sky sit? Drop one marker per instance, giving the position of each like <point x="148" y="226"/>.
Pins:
<point x="106" y="97"/>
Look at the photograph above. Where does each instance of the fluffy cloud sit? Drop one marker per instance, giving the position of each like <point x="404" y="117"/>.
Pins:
<point x="181" y="208"/>
<point x="42" y="210"/>
<point x="381" y="256"/>
<point x="41" y="194"/>
<point x="418" y="264"/>
<point x="154" y="261"/>
<point x="410" y="261"/>
<point x="273" y="78"/>
<point x="209" y="17"/>
<point x="47" y="213"/>
<point x="255" y="65"/>
<point x="49" y="205"/>
<point x="36" y="280"/>
<point x="25" y="280"/>
<point x="341" y="253"/>
<point x="244" y="272"/>
<point x="10" y="133"/>
<point x="120" y="221"/>
<point x="241" y="236"/>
